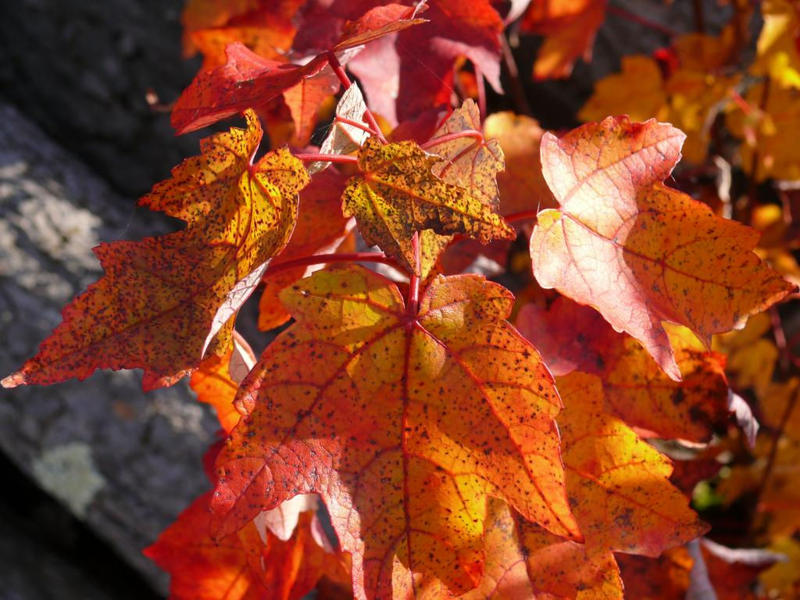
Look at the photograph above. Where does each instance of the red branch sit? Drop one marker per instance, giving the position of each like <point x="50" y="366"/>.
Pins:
<point x="413" y="286"/>
<point x="634" y="18"/>
<point x="352" y="123"/>
<point x="346" y="83"/>
<point x="481" y="84"/>
<point x="449" y="137"/>
<point x="317" y="259"/>
<point x="524" y="215"/>
<point x="340" y="158"/>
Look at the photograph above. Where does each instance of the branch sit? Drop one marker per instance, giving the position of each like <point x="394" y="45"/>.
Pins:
<point x="335" y="158"/>
<point x="346" y="83"/>
<point x="317" y="259"/>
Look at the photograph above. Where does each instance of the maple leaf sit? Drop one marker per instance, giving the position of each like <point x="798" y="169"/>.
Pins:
<point x="574" y="337"/>
<point x="280" y="555"/>
<point x="662" y="578"/>
<point x="249" y="80"/>
<point x="397" y="195"/>
<point x="525" y="561"/>
<point x="304" y="100"/>
<point x="203" y="14"/>
<point x="264" y="30"/>
<point x="769" y="132"/>
<point x="777" y="53"/>
<point x="733" y="571"/>
<point x="751" y="356"/>
<point x="164" y="301"/>
<point x="245" y="80"/>
<point x="639" y="251"/>
<point x="612" y="94"/>
<point x="403" y="423"/>
<point x="569" y="27"/>
<point x="427" y="54"/>
<point x="689" y="96"/>
<point x="617" y="484"/>
<point x="468" y="161"/>
<point x="783" y="579"/>
<point x="216" y="380"/>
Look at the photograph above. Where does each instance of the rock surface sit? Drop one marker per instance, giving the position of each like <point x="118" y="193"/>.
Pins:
<point x="125" y="462"/>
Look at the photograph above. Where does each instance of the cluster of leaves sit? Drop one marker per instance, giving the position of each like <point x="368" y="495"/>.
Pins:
<point x="401" y="438"/>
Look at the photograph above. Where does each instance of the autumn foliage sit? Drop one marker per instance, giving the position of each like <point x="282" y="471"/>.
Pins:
<point x="418" y="430"/>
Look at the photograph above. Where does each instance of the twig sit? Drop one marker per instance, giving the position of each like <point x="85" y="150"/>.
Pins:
<point x="517" y="91"/>
<point x="317" y="259"/>
<point x="634" y="18"/>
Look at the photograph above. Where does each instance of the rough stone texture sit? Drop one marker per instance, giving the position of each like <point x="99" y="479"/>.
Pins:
<point x="81" y="70"/>
<point x="146" y="450"/>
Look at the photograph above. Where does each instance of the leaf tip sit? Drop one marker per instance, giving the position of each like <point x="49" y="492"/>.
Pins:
<point x="13" y="380"/>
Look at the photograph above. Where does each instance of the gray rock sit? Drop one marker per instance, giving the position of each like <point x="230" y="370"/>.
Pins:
<point x="125" y="462"/>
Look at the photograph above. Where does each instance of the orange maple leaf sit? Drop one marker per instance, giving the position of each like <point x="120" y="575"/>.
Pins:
<point x="639" y="251"/>
<point x="569" y="27"/>
<point x="404" y="424"/>
<point x="618" y="484"/>
<point x="279" y="555"/>
<point x="267" y="31"/>
<point x="165" y="301"/>
<point x="525" y="561"/>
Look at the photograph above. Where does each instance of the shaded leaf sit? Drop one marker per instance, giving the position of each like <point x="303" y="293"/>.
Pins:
<point x="163" y="302"/>
<point x="569" y="27"/>
<point x="216" y="380"/>
<point x="769" y="132"/>
<point x="397" y="195"/>
<point x="777" y="54"/>
<point x="662" y="578"/>
<point x="617" y="484"/>
<point x="268" y="31"/>
<point x="525" y="561"/>
<point x="612" y="94"/>
<point x="637" y="250"/>
<point x="304" y="100"/>
<point x="403" y="424"/>
<point x="252" y="564"/>
<point x="783" y="579"/>
<point x="734" y="571"/>
<point x="427" y="54"/>
<point x="574" y="337"/>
